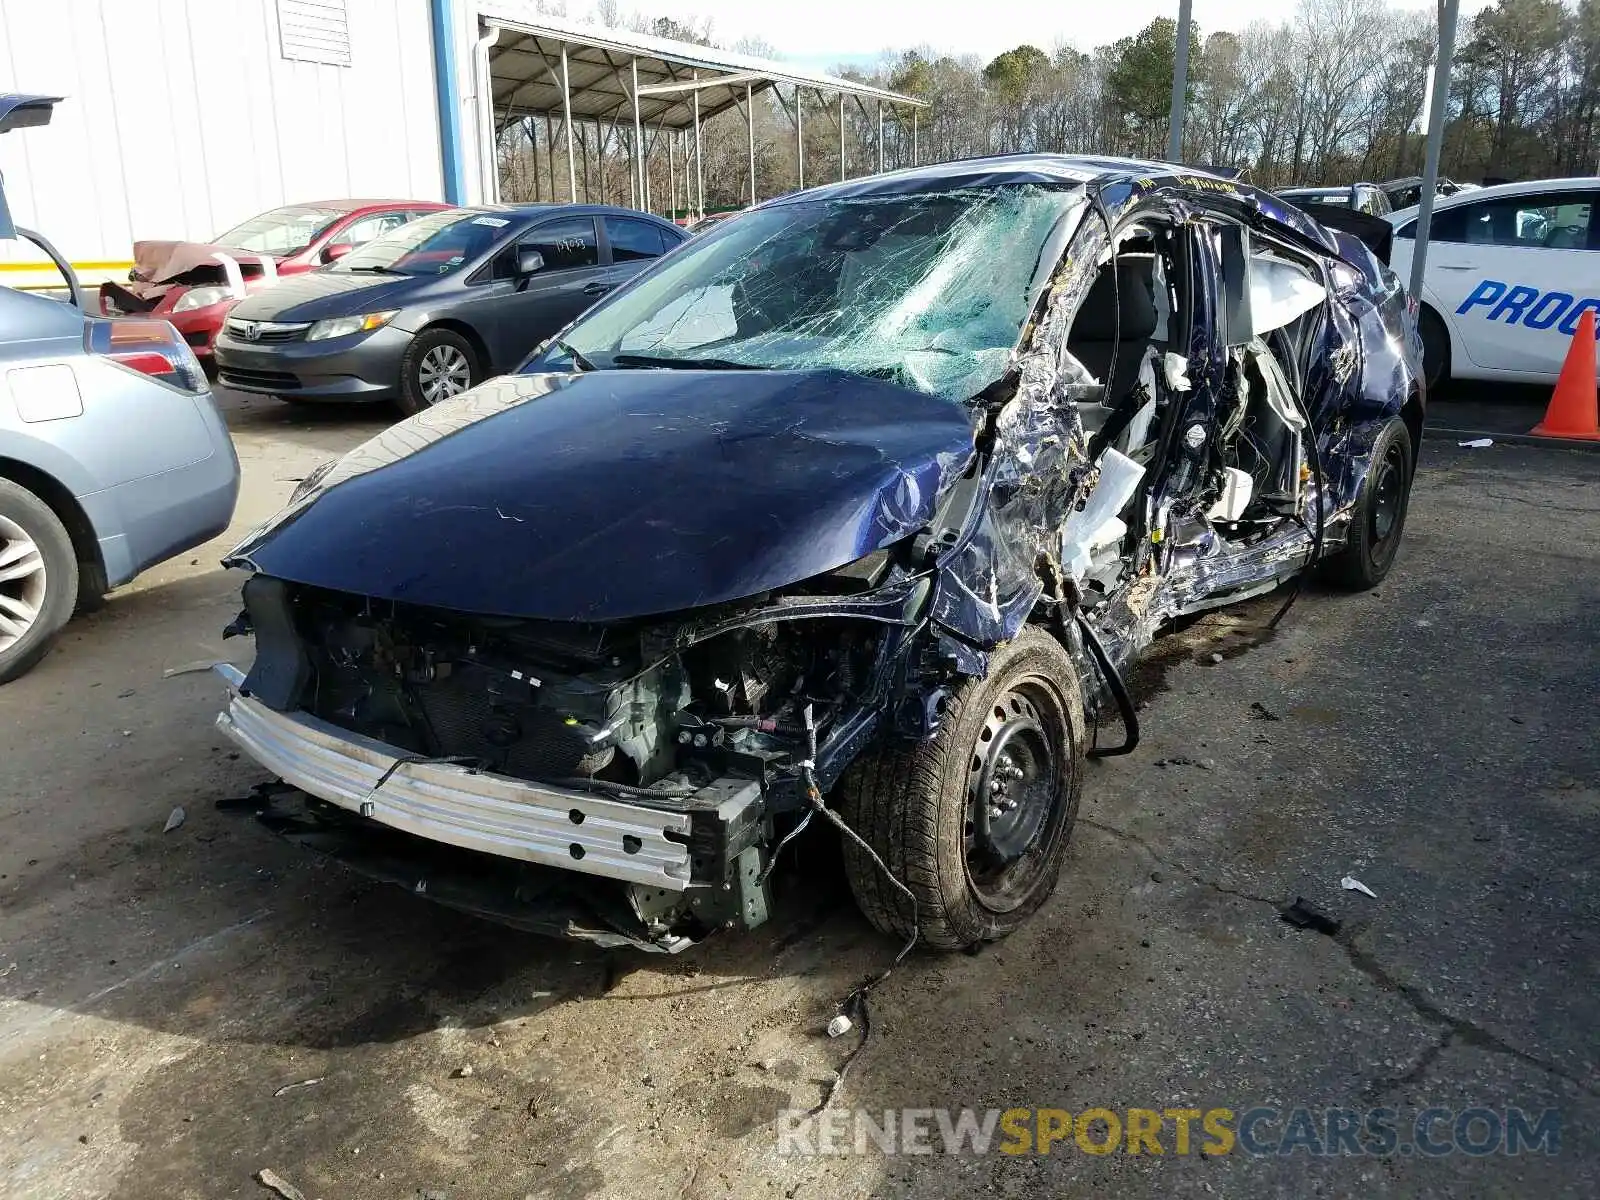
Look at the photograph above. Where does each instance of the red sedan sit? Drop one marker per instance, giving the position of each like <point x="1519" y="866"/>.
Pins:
<point x="193" y="284"/>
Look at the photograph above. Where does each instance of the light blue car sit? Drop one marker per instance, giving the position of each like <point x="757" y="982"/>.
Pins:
<point x="112" y="455"/>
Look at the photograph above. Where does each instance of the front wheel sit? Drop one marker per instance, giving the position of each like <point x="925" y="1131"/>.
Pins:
<point x="974" y="821"/>
<point x="1380" y="513"/>
<point x="38" y="579"/>
<point x="438" y="364"/>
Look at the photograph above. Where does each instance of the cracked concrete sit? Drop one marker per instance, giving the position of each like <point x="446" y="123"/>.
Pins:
<point x="1435" y="738"/>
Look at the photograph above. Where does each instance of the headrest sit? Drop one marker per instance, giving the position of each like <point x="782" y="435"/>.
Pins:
<point x="1097" y="318"/>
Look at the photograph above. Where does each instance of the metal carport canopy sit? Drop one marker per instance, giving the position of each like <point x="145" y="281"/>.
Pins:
<point x="540" y="64"/>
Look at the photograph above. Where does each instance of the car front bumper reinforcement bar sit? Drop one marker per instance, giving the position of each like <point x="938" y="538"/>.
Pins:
<point x="456" y="805"/>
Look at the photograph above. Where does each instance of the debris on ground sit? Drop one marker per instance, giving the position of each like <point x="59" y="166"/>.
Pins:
<point x="174" y="819"/>
<point x="1477" y="443"/>
<point x="1216" y="656"/>
<point x="1302" y="914"/>
<point x="304" y="1083"/>
<point x="269" y="1178"/>
<point x="840" y="1026"/>
<point x="462" y="1072"/>
<point x="1261" y="712"/>
<point x="1183" y="760"/>
<point x="1351" y="884"/>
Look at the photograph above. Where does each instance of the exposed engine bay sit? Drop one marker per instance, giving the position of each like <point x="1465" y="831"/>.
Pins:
<point x="707" y="716"/>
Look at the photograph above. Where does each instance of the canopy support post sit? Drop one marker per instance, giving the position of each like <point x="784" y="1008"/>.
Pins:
<point x="641" y="200"/>
<point x="841" y="137"/>
<point x="799" y="142"/>
<point x="750" y="135"/>
<point x="566" y="112"/>
<point x="699" y="163"/>
<point x="549" y="156"/>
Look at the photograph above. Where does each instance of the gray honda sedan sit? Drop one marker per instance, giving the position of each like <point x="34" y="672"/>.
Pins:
<point x="437" y="306"/>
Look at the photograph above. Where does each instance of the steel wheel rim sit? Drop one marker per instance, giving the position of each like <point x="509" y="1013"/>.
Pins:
<point x="442" y="373"/>
<point x="22" y="583"/>
<point x="1013" y="786"/>
<point x="1388" y="490"/>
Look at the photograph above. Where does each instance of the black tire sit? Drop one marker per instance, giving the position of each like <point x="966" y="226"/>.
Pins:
<point x="917" y="806"/>
<point x="414" y="387"/>
<point x="1435" y="349"/>
<point x="51" y="592"/>
<point x="1379" y="517"/>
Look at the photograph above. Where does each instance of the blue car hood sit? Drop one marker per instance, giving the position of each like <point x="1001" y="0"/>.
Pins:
<point x="618" y="494"/>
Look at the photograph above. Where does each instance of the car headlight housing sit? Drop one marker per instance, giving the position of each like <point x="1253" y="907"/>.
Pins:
<point x="344" y="326"/>
<point x="201" y="297"/>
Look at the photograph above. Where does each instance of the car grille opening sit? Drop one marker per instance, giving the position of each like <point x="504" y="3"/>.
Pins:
<point x="267" y="337"/>
<point x="280" y="381"/>
<point x="266" y="333"/>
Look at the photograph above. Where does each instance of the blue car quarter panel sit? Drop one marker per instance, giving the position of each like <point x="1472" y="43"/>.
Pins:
<point x="568" y="497"/>
<point x="144" y="521"/>
<point x="1520" y="304"/>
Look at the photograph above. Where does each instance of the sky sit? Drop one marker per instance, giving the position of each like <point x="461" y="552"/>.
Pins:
<point x="824" y="33"/>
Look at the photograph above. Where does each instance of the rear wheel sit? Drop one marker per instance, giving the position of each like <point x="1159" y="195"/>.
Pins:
<point x="438" y="364"/>
<point x="38" y="579"/>
<point x="1435" y="348"/>
<point x="975" y="821"/>
<point x="1380" y="513"/>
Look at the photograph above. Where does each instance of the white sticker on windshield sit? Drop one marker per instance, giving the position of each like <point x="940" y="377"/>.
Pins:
<point x="492" y="222"/>
<point x="455" y="260"/>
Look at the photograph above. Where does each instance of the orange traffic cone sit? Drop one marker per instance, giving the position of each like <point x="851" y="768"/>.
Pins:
<point x="1574" y="410"/>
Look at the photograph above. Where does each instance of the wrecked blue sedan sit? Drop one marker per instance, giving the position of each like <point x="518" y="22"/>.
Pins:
<point x="854" y="511"/>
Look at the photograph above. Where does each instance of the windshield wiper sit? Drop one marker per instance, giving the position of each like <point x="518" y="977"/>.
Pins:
<point x="682" y="364"/>
<point x="576" y="356"/>
<point x="364" y="270"/>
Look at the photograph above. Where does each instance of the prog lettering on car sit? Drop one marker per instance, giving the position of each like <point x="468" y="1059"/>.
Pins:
<point x="1518" y="303"/>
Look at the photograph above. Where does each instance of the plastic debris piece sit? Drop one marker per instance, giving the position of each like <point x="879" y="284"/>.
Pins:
<point x="174" y="819"/>
<point x="1302" y="914"/>
<point x="269" y="1178"/>
<point x="290" y="1087"/>
<point x="1351" y="884"/>
<point x="192" y="668"/>
<point x="462" y="1072"/>
<point x="1477" y="443"/>
<point x="840" y="1026"/>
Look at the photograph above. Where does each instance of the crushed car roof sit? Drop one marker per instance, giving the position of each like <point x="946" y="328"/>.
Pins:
<point x="1115" y="181"/>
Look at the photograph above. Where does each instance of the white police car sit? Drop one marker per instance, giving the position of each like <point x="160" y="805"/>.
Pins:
<point x="1511" y="269"/>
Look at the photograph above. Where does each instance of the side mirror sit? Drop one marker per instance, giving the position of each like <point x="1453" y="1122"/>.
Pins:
<point x="334" y="251"/>
<point x="529" y="261"/>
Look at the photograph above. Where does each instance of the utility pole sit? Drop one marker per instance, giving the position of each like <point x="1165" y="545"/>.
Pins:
<point x="1438" y="111"/>
<point x="1180" y="82"/>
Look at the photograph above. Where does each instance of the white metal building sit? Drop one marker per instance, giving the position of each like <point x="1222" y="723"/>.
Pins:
<point x="183" y="118"/>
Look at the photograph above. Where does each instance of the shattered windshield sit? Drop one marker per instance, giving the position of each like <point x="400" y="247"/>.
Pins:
<point x="930" y="291"/>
